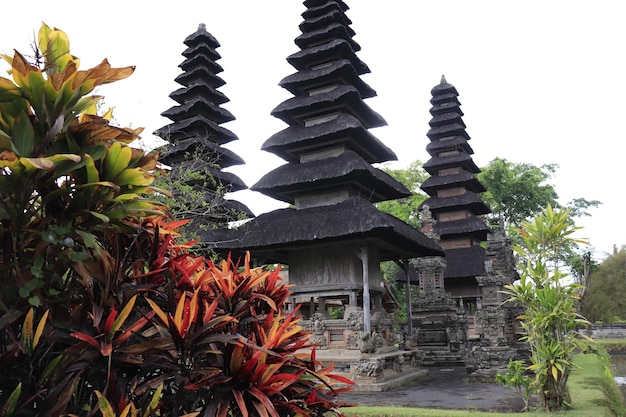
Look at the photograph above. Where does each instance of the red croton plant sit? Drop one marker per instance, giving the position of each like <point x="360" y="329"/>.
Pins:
<point x="102" y="310"/>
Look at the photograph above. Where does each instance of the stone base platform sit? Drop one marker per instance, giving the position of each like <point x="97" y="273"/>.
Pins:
<point x="375" y="372"/>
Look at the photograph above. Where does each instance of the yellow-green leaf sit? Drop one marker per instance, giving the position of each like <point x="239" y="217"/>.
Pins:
<point x="27" y="331"/>
<point x="8" y="90"/>
<point x="116" y="160"/>
<point x="135" y="177"/>
<point x="121" y="318"/>
<point x="104" y="405"/>
<point x="40" y="328"/>
<point x="104" y="218"/>
<point x="12" y="401"/>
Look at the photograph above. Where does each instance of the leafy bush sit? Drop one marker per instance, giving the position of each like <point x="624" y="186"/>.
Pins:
<point x="101" y="309"/>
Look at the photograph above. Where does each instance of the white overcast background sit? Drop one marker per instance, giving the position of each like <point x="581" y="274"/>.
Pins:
<point x="540" y="81"/>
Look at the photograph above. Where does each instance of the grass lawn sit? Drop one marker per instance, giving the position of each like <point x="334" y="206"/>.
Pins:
<point x="592" y="390"/>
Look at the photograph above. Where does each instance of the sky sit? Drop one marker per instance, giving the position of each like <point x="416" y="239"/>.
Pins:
<point x="540" y="81"/>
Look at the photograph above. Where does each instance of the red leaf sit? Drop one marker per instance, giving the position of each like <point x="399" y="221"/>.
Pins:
<point x="86" y="338"/>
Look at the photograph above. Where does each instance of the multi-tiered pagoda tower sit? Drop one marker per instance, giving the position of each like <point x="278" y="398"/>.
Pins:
<point x="332" y="237"/>
<point x="195" y="136"/>
<point x="454" y="196"/>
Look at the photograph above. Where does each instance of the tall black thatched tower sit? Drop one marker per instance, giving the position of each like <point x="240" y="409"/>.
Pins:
<point x="196" y="151"/>
<point x="454" y="195"/>
<point x="332" y="237"/>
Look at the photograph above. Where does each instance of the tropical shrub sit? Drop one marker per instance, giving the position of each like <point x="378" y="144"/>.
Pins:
<point x="550" y="320"/>
<point x="101" y="309"/>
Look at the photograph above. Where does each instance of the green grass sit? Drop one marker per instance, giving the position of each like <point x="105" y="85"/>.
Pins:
<point x="592" y="390"/>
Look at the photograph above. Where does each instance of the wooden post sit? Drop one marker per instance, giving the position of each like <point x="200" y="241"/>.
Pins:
<point x="409" y="310"/>
<point x="367" y="326"/>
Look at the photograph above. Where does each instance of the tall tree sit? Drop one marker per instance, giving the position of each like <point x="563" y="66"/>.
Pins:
<point x="607" y="280"/>
<point x="516" y="192"/>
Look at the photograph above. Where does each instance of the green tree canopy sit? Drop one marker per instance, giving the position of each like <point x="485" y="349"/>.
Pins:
<point x="406" y="209"/>
<point x="607" y="281"/>
<point x="517" y="191"/>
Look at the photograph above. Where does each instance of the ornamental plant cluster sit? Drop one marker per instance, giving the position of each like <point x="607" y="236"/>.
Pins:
<point x="102" y="310"/>
<point x="550" y="321"/>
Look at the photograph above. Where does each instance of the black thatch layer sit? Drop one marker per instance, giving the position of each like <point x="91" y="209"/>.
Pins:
<point x="342" y="98"/>
<point x="315" y="18"/>
<point x="452" y="129"/>
<point x="462" y="160"/>
<point x="345" y="129"/>
<point x="472" y="226"/>
<point x="201" y="60"/>
<point x="446" y="107"/>
<point x="192" y="77"/>
<point x="204" y="49"/>
<point x="197" y="126"/>
<point x="340" y="71"/>
<point x="333" y="50"/>
<point x="198" y="106"/>
<point x="469" y="201"/>
<point x="201" y="36"/>
<point x="346" y="171"/>
<point x="198" y="89"/>
<point x="317" y="3"/>
<point x="191" y="147"/>
<point x="465" y="262"/>
<point x="326" y="34"/>
<point x="447" y="118"/>
<point x="271" y="235"/>
<point x="464" y="179"/>
<point x="455" y="142"/>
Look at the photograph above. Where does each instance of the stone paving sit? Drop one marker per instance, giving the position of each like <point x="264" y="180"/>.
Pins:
<point x="445" y="388"/>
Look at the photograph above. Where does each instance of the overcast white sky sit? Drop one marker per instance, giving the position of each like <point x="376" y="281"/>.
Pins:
<point x="540" y="81"/>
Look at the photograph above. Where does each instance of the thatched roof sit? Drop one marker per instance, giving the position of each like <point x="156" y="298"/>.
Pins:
<point x="198" y="106"/>
<point x="348" y="170"/>
<point x="188" y="148"/>
<point x="332" y="31"/>
<point x="323" y="15"/>
<point x="196" y="126"/>
<point x="469" y="201"/>
<point x="198" y="89"/>
<point x="200" y="73"/>
<point x="201" y="59"/>
<point x="464" y="179"/>
<point x="340" y="71"/>
<point x="272" y="235"/>
<point x="472" y="226"/>
<point x="335" y="49"/>
<point x="317" y="3"/>
<point x="201" y="36"/>
<point x="455" y="142"/>
<point x="345" y="129"/>
<point x="462" y="160"/>
<point x="344" y="98"/>
<point x="465" y="262"/>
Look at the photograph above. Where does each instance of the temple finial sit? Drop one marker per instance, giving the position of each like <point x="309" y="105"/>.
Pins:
<point x="202" y="26"/>
<point x="443" y="79"/>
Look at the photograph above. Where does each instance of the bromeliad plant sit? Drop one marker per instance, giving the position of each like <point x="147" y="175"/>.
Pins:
<point x="102" y="311"/>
